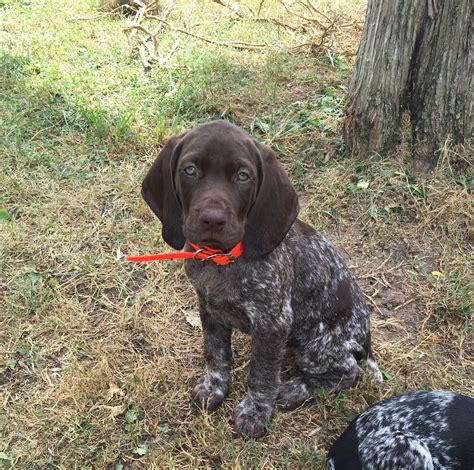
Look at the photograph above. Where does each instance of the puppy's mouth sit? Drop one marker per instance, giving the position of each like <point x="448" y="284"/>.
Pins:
<point x="215" y="244"/>
<point x="217" y="241"/>
<point x="223" y="239"/>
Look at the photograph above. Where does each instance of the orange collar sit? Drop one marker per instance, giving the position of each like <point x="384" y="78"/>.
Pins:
<point x="202" y="253"/>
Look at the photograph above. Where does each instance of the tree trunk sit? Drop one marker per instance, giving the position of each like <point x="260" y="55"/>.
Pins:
<point x="415" y="56"/>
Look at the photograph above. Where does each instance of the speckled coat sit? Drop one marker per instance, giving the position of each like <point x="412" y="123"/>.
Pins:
<point x="424" y="430"/>
<point x="300" y="295"/>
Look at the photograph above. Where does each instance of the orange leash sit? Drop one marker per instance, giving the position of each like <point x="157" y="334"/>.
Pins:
<point x="202" y="253"/>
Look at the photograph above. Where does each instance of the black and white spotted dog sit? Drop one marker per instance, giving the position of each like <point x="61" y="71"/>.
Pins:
<point x="418" y="431"/>
<point x="216" y="186"/>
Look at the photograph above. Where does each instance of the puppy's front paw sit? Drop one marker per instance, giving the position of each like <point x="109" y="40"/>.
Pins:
<point x="251" y="417"/>
<point x="292" y="394"/>
<point x="209" y="392"/>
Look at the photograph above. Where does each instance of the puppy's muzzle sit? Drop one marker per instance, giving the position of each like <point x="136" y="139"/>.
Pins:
<point x="212" y="219"/>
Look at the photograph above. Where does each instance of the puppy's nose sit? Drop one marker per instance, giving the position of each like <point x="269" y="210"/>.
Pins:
<point x="213" y="218"/>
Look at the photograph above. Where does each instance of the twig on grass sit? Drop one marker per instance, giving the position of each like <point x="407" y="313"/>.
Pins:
<point x="372" y="301"/>
<point x="234" y="44"/>
<point x="147" y="42"/>
<point x="318" y="27"/>
<point x="239" y="10"/>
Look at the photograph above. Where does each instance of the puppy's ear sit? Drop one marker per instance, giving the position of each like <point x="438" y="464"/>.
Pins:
<point x="274" y="210"/>
<point x="158" y="190"/>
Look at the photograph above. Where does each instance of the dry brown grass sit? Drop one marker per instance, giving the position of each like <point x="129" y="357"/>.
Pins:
<point x="97" y="355"/>
<point x="110" y="353"/>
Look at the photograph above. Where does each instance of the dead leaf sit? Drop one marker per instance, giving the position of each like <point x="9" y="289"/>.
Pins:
<point x="114" y="390"/>
<point x="116" y="410"/>
<point x="362" y="184"/>
<point x="437" y="273"/>
<point x="193" y="319"/>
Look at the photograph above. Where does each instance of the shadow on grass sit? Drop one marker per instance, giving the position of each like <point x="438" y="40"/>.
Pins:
<point x="35" y="106"/>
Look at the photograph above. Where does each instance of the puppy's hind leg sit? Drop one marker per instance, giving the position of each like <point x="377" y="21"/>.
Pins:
<point x="296" y="391"/>
<point x="319" y="370"/>
<point x="293" y="393"/>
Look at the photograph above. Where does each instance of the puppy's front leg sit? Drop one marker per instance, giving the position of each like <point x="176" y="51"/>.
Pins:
<point x="255" y="411"/>
<point x="210" y="390"/>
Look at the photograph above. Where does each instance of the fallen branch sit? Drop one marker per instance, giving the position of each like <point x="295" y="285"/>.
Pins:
<point x="234" y="44"/>
<point x="239" y="10"/>
<point x="148" y="43"/>
<point x="308" y="5"/>
<point x="274" y="21"/>
<point x="318" y="32"/>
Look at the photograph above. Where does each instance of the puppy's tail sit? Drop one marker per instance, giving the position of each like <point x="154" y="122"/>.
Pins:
<point x="371" y="362"/>
<point x="363" y="354"/>
<point x="374" y="368"/>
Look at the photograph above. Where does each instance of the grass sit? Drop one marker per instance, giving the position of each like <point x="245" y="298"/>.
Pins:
<point x="97" y="356"/>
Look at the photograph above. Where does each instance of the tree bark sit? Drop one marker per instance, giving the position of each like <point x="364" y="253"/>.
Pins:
<point x="415" y="56"/>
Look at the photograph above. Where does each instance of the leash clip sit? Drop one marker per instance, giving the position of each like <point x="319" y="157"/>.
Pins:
<point x="197" y="252"/>
<point x="230" y="257"/>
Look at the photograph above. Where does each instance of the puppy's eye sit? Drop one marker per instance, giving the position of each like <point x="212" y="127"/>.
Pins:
<point x="243" y="176"/>
<point x="190" y="170"/>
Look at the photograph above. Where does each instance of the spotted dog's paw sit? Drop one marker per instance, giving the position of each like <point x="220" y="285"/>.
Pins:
<point x="251" y="417"/>
<point x="209" y="392"/>
<point x="292" y="394"/>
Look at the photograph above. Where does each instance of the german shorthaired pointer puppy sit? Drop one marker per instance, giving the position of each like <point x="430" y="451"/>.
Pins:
<point x="216" y="186"/>
<point x="419" y="430"/>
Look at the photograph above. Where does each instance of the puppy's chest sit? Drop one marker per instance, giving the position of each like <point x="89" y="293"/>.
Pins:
<point x="223" y="296"/>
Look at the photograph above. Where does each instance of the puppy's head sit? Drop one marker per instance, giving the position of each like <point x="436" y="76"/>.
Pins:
<point x="215" y="185"/>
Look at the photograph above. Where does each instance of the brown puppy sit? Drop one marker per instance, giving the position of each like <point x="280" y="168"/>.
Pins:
<point x="216" y="186"/>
